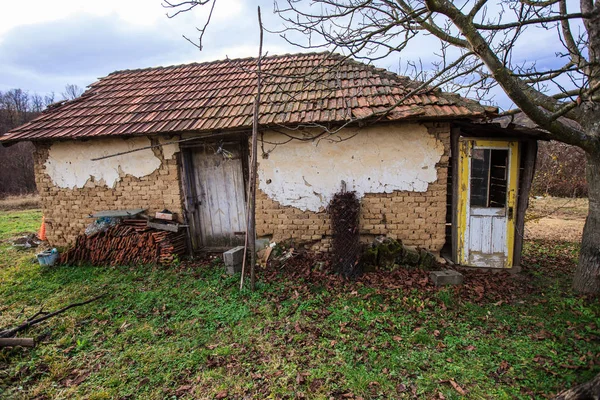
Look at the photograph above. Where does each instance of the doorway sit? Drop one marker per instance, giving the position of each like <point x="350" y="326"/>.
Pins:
<point x="217" y="199"/>
<point x="488" y="175"/>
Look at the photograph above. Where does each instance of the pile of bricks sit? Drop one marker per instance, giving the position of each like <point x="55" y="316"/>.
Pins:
<point x="129" y="243"/>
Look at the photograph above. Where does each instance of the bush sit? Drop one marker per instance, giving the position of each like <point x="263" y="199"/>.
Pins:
<point x="560" y="171"/>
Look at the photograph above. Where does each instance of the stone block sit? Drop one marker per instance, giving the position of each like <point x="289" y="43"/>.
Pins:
<point x="234" y="269"/>
<point x="234" y="256"/>
<point x="446" y="277"/>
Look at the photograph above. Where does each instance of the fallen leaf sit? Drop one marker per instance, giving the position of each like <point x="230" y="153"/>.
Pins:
<point x="457" y="387"/>
<point x="181" y="390"/>
<point x="143" y="381"/>
<point x="397" y="338"/>
<point x="221" y="395"/>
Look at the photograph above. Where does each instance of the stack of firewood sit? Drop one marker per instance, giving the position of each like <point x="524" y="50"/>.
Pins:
<point x="130" y="242"/>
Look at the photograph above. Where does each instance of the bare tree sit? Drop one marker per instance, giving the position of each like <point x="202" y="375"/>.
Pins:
<point x="16" y="108"/>
<point x="476" y="42"/>
<point x="71" y="92"/>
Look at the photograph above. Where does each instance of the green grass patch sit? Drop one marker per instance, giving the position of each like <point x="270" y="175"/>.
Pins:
<point x="14" y="222"/>
<point x="188" y="332"/>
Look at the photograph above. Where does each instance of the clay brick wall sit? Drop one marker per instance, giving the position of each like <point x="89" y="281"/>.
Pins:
<point x="66" y="210"/>
<point x="416" y="218"/>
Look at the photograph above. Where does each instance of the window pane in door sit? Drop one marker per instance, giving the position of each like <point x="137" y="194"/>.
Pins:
<point x="480" y="167"/>
<point x="489" y="172"/>
<point x="498" y="178"/>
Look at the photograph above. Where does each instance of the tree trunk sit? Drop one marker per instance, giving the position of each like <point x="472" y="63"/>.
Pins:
<point x="587" y="274"/>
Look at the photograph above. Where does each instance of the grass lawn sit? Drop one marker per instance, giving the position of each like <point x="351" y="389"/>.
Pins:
<point x="187" y="332"/>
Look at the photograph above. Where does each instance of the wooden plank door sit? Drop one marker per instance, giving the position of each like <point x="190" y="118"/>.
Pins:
<point x="488" y="173"/>
<point x="220" y="201"/>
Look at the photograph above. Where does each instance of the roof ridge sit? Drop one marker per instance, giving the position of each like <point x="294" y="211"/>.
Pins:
<point x="195" y="63"/>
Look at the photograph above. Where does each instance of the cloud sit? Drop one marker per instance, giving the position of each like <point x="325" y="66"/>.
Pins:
<point x="79" y="49"/>
<point x="46" y="56"/>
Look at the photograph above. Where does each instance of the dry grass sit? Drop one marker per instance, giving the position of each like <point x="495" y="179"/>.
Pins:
<point x="25" y="202"/>
<point x="555" y="218"/>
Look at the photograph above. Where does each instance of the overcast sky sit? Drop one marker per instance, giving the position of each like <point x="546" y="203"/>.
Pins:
<point x="45" y="45"/>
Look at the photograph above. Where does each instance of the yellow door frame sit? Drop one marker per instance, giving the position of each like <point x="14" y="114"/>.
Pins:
<point x="466" y="146"/>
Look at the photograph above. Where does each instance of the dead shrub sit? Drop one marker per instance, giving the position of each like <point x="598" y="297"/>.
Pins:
<point x="560" y="171"/>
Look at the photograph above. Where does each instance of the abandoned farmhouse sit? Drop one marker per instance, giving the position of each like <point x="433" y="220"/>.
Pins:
<point x="427" y="167"/>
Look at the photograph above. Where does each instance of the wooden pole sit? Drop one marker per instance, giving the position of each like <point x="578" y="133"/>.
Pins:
<point x="250" y="237"/>
<point x="246" y="235"/>
<point x="253" y="172"/>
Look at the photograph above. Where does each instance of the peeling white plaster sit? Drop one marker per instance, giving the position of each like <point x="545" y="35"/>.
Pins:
<point x="70" y="164"/>
<point x="169" y="150"/>
<point x="382" y="159"/>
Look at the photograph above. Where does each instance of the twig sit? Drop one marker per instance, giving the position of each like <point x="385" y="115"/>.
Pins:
<point x="11" y="332"/>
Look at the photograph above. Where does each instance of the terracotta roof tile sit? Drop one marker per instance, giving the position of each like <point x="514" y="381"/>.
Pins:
<point x="301" y="88"/>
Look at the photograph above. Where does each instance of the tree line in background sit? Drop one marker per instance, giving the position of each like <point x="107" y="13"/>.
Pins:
<point x="16" y="108"/>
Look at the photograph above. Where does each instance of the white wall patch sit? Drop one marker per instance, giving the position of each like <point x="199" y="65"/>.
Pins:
<point x="70" y="164"/>
<point x="381" y="159"/>
<point x="169" y="149"/>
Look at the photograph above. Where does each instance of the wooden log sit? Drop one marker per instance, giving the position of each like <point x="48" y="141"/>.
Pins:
<point x="12" y="342"/>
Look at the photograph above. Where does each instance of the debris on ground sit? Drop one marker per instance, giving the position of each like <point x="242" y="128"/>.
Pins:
<point x="313" y="269"/>
<point x="27" y="242"/>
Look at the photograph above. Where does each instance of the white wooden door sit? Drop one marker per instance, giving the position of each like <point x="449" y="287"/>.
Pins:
<point x="220" y="199"/>
<point x="488" y="184"/>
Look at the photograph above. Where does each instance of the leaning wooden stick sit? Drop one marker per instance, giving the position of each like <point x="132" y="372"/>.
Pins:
<point x="11" y="342"/>
<point x="250" y="241"/>
<point x="30" y="322"/>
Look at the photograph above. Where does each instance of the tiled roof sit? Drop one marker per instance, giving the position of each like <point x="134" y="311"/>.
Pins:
<point x="315" y="88"/>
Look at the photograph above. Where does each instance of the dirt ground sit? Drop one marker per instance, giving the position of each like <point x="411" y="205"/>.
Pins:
<point x="554" y="218"/>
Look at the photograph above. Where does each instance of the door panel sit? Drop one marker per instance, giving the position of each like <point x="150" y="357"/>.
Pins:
<point x="488" y="173"/>
<point x="220" y="198"/>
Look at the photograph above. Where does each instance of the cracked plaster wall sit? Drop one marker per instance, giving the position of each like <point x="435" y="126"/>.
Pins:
<point x="380" y="159"/>
<point x="66" y="204"/>
<point x="69" y="164"/>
